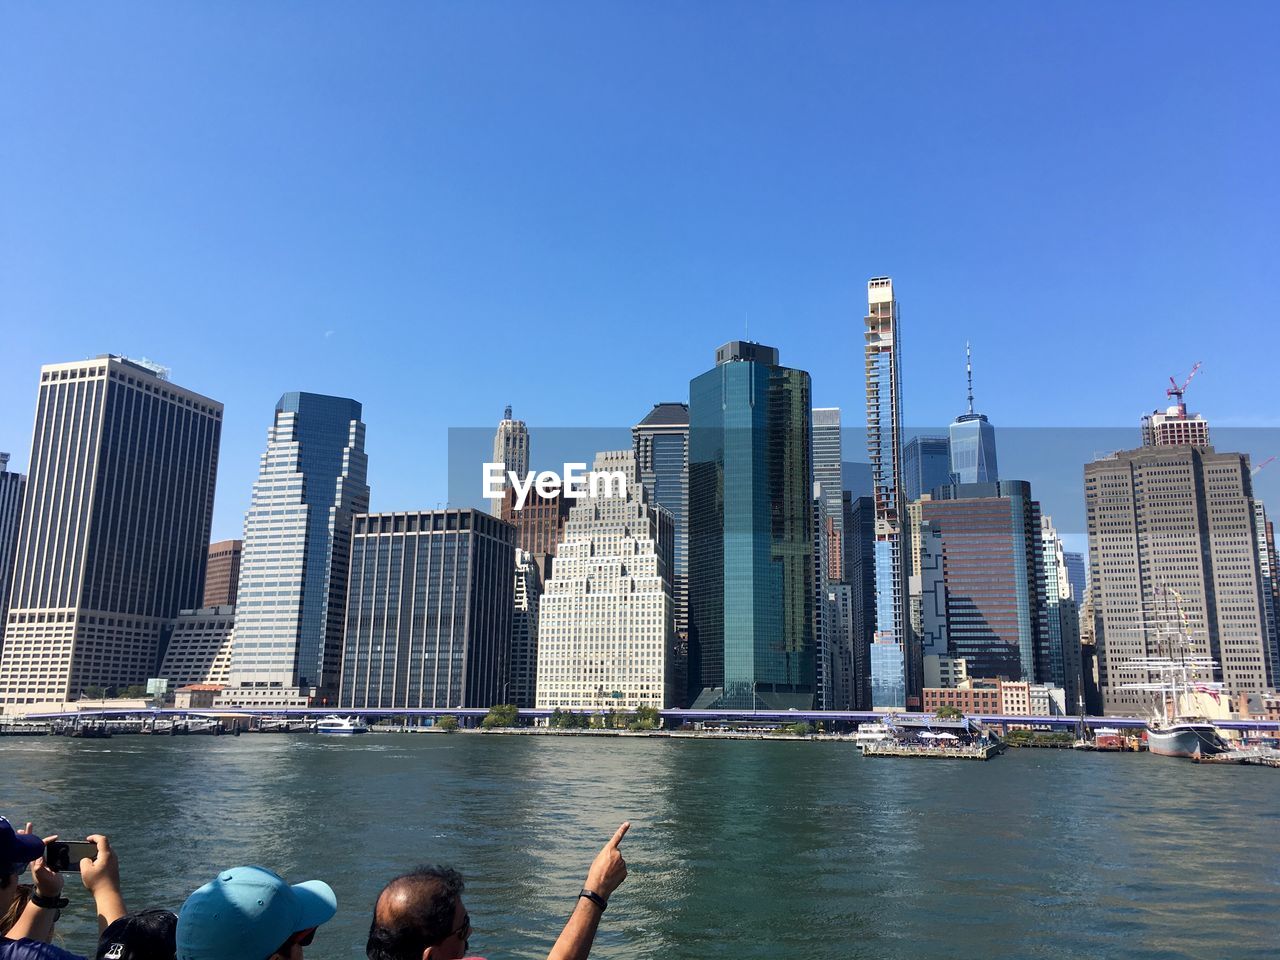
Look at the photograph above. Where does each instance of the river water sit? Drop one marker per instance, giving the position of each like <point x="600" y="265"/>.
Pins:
<point x="738" y="848"/>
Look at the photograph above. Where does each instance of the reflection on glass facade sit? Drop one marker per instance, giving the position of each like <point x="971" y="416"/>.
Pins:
<point x="293" y="571"/>
<point x="973" y="449"/>
<point x="12" y="486"/>
<point x="115" y="527"/>
<point x="828" y="474"/>
<point x="750" y="533"/>
<point x="926" y="463"/>
<point x="661" y="443"/>
<point x="430" y="611"/>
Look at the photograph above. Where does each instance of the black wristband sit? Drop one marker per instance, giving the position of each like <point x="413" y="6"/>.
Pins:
<point x="595" y="898"/>
<point x="49" y="903"/>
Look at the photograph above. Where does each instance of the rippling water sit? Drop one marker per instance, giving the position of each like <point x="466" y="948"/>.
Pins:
<point x="737" y="848"/>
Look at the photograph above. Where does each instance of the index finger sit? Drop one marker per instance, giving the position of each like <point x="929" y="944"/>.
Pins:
<point x="621" y="832"/>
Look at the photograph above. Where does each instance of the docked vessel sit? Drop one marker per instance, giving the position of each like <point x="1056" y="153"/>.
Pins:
<point x="871" y="733"/>
<point x="1185" y="738"/>
<point x="341" y="725"/>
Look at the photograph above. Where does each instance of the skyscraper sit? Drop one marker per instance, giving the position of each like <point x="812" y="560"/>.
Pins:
<point x="1264" y="536"/>
<point x="297" y="540"/>
<point x="661" y="444"/>
<point x="511" y="449"/>
<point x="12" y="486"/>
<point x="115" y="527"/>
<point x="892" y="661"/>
<point x="973" y="441"/>
<point x="1062" y="619"/>
<point x="222" y="575"/>
<point x="539" y="525"/>
<point x="994" y="578"/>
<point x="1077" y="575"/>
<point x="926" y="463"/>
<point x="860" y="574"/>
<point x="750" y="532"/>
<point x="828" y="473"/>
<point x="524" y="632"/>
<point x="1173" y="550"/>
<point x="428" y="620"/>
<point x="605" y="621"/>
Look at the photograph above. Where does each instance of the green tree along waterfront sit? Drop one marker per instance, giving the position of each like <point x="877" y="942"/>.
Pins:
<point x="738" y="849"/>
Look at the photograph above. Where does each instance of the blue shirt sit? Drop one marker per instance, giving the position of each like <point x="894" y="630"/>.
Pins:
<point x="25" y="949"/>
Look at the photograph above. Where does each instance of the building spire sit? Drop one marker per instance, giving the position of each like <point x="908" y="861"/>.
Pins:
<point x="506" y="413"/>
<point x="968" y="369"/>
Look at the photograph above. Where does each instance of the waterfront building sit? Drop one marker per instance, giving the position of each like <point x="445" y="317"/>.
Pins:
<point x="661" y="444"/>
<point x="994" y="580"/>
<point x="928" y="585"/>
<point x="605" y="621"/>
<point x="12" y="486"/>
<point x="828" y="474"/>
<point x="843" y="667"/>
<point x="196" y="696"/>
<point x="1012" y="698"/>
<point x="1172" y="544"/>
<point x="297" y="540"/>
<point x="199" y="649"/>
<point x="926" y="463"/>
<point x="823" y="624"/>
<point x="524" y="632"/>
<point x="890" y="678"/>
<point x="222" y="574"/>
<point x="114" y="530"/>
<point x="511" y="449"/>
<point x="860" y="574"/>
<point x="751" y="593"/>
<point x="430" y="610"/>
<point x="539" y="525"/>
<point x="1061" y="618"/>
<point x="1264" y="534"/>
<point x="973" y="441"/>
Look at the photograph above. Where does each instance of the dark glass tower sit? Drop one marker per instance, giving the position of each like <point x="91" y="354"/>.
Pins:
<point x="750" y="533"/>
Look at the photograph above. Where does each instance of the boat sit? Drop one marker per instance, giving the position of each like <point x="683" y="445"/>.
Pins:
<point x="871" y="733"/>
<point x="1185" y="737"/>
<point x="341" y="725"/>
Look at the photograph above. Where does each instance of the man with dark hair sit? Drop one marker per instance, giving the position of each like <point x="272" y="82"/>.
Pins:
<point x="420" y="915"/>
<point x="145" y="935"/>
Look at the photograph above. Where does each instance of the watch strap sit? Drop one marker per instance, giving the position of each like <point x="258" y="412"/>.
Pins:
<point x="595" y="898"/>
<point x="49" y="903"/>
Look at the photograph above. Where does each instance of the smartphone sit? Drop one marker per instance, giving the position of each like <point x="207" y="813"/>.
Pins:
<point x="64" y="856"/>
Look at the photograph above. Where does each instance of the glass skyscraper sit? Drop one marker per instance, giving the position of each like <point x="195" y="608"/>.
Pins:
<point x="297" y="538"/>
<point x="828" y="473"/>
<point x="926" y="463"/>
<point x="973" y="442"/>
<point x="661" y="444"/>
<point x="751" y="533"/>
<point x="884" y="445"/>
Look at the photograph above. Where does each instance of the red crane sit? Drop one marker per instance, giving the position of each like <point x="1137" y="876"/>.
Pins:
<point x="1176" y="391"/>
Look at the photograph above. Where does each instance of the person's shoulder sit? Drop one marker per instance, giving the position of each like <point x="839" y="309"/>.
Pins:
<point x="33" y="950"/>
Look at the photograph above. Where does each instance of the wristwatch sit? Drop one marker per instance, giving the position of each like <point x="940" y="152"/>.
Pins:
<point x="595" y="898"/>
<point x="49" y="903"/>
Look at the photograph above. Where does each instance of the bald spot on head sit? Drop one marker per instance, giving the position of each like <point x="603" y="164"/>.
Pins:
<point x="415" y="911"/>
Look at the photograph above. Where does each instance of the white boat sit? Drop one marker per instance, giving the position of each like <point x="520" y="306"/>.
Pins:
<point x="341" y="725"/>
<point x="872" y="733"/>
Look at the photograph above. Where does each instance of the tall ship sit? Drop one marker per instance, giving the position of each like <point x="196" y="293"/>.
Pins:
<point x="1175" y="729"/>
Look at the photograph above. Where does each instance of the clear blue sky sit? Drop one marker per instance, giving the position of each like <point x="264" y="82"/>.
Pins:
<point x="440" y="208"/>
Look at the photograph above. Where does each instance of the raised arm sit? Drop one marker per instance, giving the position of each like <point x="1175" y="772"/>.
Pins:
<point x="607" y="872"/>
<point x="101" y="877"/>
<point x="36" y="922"/>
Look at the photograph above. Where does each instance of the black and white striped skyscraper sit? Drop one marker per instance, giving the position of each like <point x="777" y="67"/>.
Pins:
<point x="114" y="532"/>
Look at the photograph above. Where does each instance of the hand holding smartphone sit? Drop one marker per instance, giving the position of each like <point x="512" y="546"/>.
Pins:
<point x="64" y="856"/>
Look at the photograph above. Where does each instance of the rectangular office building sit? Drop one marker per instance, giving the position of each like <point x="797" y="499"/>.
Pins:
<point x="429" y="610"/>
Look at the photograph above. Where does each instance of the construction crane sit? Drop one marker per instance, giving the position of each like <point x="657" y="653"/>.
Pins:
<point x="1258" y="469"/>
<point x="1174" y="391"/>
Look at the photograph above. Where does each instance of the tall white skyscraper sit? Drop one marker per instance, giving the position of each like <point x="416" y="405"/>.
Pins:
<point x="605" y="623"/>
<point x="114" y="533"/>
<point x="511" y="449"/>
<point x="297" y="540"/>
<point x="891" y="661"/>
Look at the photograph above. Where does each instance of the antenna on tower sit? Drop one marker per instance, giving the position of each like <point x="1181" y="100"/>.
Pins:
<point x="968" y="370"/>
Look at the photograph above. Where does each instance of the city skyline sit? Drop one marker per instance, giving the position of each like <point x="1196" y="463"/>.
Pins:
<point x="303" y="226"/>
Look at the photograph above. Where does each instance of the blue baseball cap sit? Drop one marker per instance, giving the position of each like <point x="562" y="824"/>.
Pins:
<point x="18" y="849"/>
<point x="248" y="913"/>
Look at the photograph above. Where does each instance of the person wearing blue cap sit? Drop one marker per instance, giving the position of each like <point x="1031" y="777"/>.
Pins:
<point x="250" y="913"/>
<point x="25" y="940"/>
